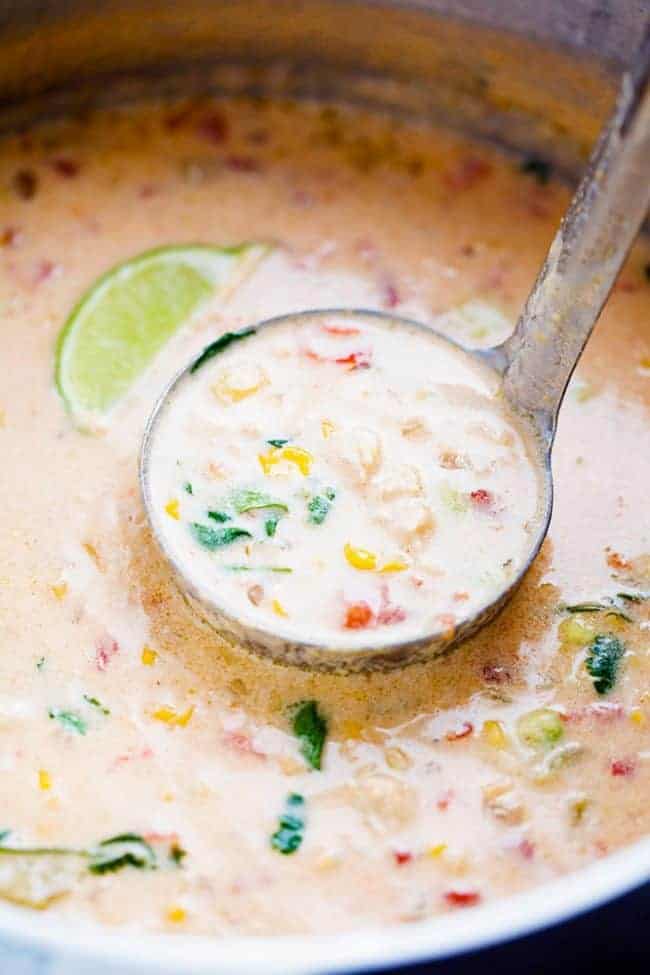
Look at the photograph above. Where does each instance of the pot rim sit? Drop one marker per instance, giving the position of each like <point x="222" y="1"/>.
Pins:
<point x="368" y="949"/>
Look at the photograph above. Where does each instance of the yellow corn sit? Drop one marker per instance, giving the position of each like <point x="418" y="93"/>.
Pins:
<point x="148" y="656"/>
<point x="645" y="362"/>
<point x="437" y="850"/>
<point x="172" y="717"/>
<point x="327" y="428"/>
<point x="44" y="780"/>
<point x="493" y="733"/>
<point x="360" y="558"/>
<point x="297" y="456"/>
<point x="394" y="566"/>
<point x="173" y="509"/>
<point x="637" y="717"/>
<point x="572" y="631"/>
<point x="60" y="589"/>
<point x="176" y="915"/>
<point x="278" y="608"/>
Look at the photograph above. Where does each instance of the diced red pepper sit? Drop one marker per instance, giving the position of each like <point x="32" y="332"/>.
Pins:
<point x="105" y="648"/>
<point x="358" y="616"/>
<point x="482" y="498"/>
<point x="623" y="767"/>
<point x="462" y="898"/>
<point x="241" y="742"/>
<point x="340" y="329"/>
<point x="402" y="857"/>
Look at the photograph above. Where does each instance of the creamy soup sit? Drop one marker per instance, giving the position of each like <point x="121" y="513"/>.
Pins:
<point x="268" y="799"/>
<point x="399" y="496"/>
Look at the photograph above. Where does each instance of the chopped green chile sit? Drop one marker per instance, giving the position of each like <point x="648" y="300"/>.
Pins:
<point x="540" y="728"/>
<point x="604" y="656"/>
<point x="249" y="500"/>
<point x="69" y="720"/>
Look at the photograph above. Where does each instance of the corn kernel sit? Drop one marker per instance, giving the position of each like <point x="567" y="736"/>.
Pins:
<point x="278" y="608"/>
<point x="645" y="362"/>
<point x="297" y="456"/>
<point x="394" y="566"/>
<point x="60" y="589"/>
<point x="176" y="915"/>
<point x="148" y="656"/>
<point x="572" y="631"/>
<point x="44" y="780"/>
<point x="360" y="558"/>
<point x="327" y="428"/>
<point x="637" y="717"/>
<point x="173" y="509"/>
<point x="436" y="851"/>
<point x="172" y="717"/>
<point x="493" y="734"/>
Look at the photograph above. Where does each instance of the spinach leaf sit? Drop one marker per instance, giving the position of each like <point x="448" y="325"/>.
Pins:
<point x="320" y="505"/>
<point x="288" y="837"/>
<point x="69" y="720"/>
<point x="310" y="727"/>
<point x="249" y="500"/>
<point x="212" y="538"/>
<point x="603" y="660"/>
<point x="125" y="850"/>
<point x="219" y="345"/>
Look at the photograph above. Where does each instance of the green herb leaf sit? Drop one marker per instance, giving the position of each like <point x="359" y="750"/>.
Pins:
<point x="310" y="727"/>
<point x="277" y="443"/>
<point x="96" y="704"/>
<point x="258" y="568"/>
<point x="188" y="487"/>
<point x="539" y="168"/>
<point x="69" y="720"/>
<point x="212" y="538"/>
<point x="40" y="663"/>
<point x="221" y="343"/>
<point x="126" y="850"/>
<point x="288" y="837"/>
<point x="4" y="833"/>
<point x="320" y="505"/>
<point x="270" y="525"/>
<point x="603" y="660"/>
<point x="249" y="500"/>
<point x="219" y="516"/>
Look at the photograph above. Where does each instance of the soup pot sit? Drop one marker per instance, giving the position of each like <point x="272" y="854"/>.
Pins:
<point x="533" y="76"/>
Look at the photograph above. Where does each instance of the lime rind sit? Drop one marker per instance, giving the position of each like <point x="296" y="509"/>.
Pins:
<point x="119" y="325"/>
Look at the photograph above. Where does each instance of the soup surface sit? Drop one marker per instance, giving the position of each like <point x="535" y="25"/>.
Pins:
<point x="401" y="498"/>
<point x="271" y="800"/>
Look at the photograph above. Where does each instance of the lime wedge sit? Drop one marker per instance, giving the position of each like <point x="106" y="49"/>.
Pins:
<point x="119" y="325"/>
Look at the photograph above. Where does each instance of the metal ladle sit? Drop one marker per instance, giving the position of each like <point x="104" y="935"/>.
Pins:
<point x="534" y="366"/>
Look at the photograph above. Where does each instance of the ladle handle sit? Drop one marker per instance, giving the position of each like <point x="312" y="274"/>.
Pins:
<point x="585" y="256"/>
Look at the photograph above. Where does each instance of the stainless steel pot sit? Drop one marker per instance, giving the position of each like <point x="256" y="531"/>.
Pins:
<point x="533" y="75"/>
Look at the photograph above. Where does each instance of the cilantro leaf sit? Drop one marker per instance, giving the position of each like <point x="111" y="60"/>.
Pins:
<point x="212" y="538"/>
<point x="270" y="525"/>
<point x="603" y="660"/>
<point x="188" y="487"/>
<point x="320" y="505"/>
<point x="219" y="345"/>
<point x="310" y="727"/>
<point x="219" y="516"/>
<point x="288" y="837"/>
<point x="277" y="443"/>
<point x="69" y="720"/>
